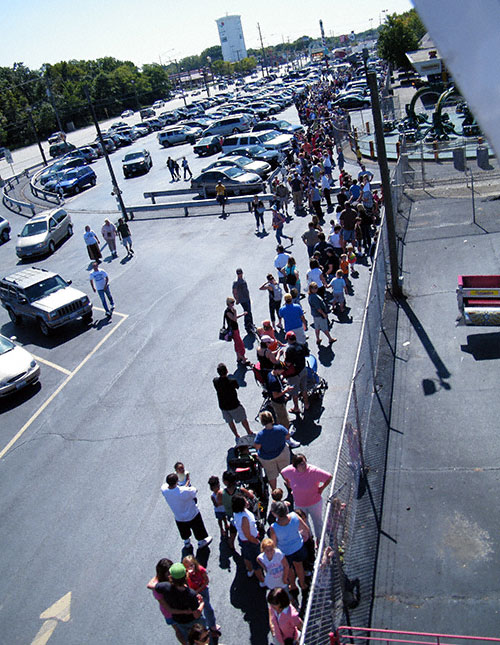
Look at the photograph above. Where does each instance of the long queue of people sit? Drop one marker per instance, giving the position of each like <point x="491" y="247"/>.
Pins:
<point x="280" y="558"/>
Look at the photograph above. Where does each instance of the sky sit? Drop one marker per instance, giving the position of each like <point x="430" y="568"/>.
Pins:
<point x="35" y="32"/>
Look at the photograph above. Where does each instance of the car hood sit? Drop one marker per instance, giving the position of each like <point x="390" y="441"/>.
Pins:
<point x="32" y="240"/>
<point x="280" y="139"/>
<point x="133" y="162"/>
<point x="58" y="299"/>
<point x="257" y="166"/>
<point x="247" y="177"/>
<point x="14" y="363"/>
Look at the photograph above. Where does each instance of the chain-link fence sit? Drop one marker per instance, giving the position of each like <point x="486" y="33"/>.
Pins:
<point x="342" y="585"/>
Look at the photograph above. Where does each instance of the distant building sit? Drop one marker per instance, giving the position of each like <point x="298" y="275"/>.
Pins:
<point x="231" y="38"/>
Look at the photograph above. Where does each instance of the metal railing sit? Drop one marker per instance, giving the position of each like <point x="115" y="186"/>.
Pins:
<point x="16" y="205"/>
<point x="364" y="635"/>
<point x="342" y="584"/>
<point x="41" y="193"/>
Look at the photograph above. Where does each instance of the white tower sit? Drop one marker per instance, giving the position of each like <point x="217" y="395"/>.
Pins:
<point x="231" y="38"/>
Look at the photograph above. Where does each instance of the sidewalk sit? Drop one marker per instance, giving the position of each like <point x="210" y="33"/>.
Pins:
<point x="439" y="553"/>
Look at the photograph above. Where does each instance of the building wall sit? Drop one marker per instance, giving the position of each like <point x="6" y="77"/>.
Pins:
<point x="231" y="38"/>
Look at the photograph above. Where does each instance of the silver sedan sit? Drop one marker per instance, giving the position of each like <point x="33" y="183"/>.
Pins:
<point x="245" y="163"/>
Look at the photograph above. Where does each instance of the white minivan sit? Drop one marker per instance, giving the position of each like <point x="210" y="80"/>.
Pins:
<point x="270" y="139"/>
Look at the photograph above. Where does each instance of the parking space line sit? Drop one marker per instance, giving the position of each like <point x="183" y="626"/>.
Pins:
<point x="61" y="387"/>
<point x="56" y="367"/>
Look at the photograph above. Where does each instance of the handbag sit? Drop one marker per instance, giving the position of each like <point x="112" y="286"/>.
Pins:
<point x="225" y="333"/>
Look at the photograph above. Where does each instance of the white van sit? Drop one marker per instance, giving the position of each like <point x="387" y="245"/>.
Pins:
<point x="270" y="139"/>
<point x="229" y="124"/>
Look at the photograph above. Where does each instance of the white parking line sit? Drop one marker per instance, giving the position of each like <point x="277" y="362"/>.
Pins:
<point x="61" y="387"/>
<point x="56" y="367"/>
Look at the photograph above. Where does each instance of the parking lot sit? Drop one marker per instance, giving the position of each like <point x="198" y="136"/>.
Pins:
<point x="119" y="403"/>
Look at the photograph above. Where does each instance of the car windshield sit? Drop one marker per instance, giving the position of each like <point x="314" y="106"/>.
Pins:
<point x="133" y="155"/>
<point x="5" y="345"/>
<point x="205" y="142"/>
<point x="234" y="172"/>
<point x="45" y="288"/>
<point x="243" y="161"/>
<point x="72" y="174"/>
<point x="34" y="228"/>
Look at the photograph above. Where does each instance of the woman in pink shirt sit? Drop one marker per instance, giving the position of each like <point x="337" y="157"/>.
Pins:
<point x="284" y="619"/>
<point x="307" y="483"/>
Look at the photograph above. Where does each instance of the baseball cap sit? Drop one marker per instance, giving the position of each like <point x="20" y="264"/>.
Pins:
<point x="290" y="335"/>
<point x="266" y="339"/>
<point x="177" y="571"/>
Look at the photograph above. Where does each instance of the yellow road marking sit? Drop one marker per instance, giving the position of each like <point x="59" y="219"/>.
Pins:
<point x="56" y="367"/>
<point x="61" y="387"/>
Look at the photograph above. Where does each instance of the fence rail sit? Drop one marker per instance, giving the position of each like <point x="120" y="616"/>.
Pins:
<point x="16" y="205"/>
<point x="364" y="635"/>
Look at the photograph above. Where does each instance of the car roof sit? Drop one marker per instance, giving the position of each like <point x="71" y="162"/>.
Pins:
<point x="46" y="214"/>
<point x="27" y="277"/>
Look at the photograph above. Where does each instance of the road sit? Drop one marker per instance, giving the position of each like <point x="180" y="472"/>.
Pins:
<point x="118" y="404"/>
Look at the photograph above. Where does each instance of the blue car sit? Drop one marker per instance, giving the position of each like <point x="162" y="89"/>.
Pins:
<point x="74" y="179"/>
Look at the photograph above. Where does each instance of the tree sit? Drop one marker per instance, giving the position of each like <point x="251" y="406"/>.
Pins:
<point x="398" y="35"/>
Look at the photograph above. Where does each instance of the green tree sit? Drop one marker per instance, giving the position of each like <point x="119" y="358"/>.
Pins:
<point x="400" y="34"/>
<point x="214" y="52"/>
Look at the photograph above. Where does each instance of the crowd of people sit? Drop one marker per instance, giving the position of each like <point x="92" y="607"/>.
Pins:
<point x="277" y="551"/>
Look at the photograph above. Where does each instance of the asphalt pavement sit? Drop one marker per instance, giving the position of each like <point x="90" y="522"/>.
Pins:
<point x="118" y="404"/>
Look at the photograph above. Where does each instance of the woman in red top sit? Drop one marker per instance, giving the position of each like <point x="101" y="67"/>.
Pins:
<point x="197" y="579"/>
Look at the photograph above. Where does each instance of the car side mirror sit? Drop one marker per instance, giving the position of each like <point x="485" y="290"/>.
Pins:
<point x="69" y="281"/>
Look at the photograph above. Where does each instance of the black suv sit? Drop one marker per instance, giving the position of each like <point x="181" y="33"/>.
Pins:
<point x="45" y="297"/>
<point x="136" y="162"/>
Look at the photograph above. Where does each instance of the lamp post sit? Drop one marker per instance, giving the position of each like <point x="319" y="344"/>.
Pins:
<point x="32" y="123"/>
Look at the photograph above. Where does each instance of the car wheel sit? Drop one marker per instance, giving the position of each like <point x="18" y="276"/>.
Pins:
<point x="5" y="236"/>
<point x="44" y="328"/>
<point x="87" y="319"/>
<point x="52" y="247"/>
<point x="77" y="190"/>
<point x="93" y="181"/>
<point x="70" y="230"/>
<point x="14" y="317"/>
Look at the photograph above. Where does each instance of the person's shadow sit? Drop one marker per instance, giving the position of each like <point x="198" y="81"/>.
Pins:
<point x="246" y="594"/>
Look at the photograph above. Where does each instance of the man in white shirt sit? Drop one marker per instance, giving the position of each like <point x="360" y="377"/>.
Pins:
<point x="280" y="262"/>
<point x="182" y="502"/>
<point x="99" y="282"/>
<point x="325" y="188"/>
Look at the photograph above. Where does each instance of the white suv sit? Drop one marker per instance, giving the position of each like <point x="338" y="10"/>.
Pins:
<point x="178" y="134"/>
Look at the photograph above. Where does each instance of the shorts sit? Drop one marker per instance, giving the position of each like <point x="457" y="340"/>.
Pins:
<point x="298" y="556"/>
<point x="127" y="240"/>
<point x="338" y="298"/>
<point x="321" y="324"/>
<point x="238" y="415"/>
<point x="249" y="551"/>
<point x="273" y="467"/>
<point x="220" y="515"/>
<point x="348" y="235"/>
<point x="221" y="199"/>
<point x="299" y="382"/>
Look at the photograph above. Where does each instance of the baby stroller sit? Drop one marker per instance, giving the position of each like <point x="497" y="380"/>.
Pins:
<point x="242" y="460"/>
<point x="266" y="396"/>
<point x="316" y="386"/>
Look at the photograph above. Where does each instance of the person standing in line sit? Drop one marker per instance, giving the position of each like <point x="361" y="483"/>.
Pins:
<point x="231" y="321"/>
<point x="284" y="620"/>
<point x="258" y="208"/>
<point x="319" y="312"/>
<point x="177" y="170"/>
<point x="325" y="187"/>
<point x="274" y="564"/>
<point x="182" y="502"/>
<point x="283" y="194"/>
<point x="197" y="579"/>
<point x="295" y="360"/>
<point x="163" y="575"/>
<point x="171" y="167"/>
<point x="310" y="238"/>
<point x="273" y="445"/>
<point x="125" y="237"/>
<point x="278" y="394"/>
<point x="108" y="232"/>
<point x="99" y="282"/>
<point x="275" y="294"/>
<point x="221" y="196"/>
<point x="297" y="195"/>
<point x="92" y="242"/>
<point x="280" y="262"/>
<point x="307" y="483"/>
<point x="232" y="410"/>
<point x="293" y="318"/>
<point x="248" y="536"/>
<point x="340" y="159"/>
<point x="242" y="297"/>
<point x="186" y="168"/>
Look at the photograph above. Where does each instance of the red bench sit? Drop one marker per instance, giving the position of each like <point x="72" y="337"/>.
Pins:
<point x="478" y="299"/>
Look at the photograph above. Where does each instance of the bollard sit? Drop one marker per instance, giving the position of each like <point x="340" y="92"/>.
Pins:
<point x="367" y="127"/>
<point x="372" y="150"/>
<point x="436" y="151"/>
<point x="398" y="149"/>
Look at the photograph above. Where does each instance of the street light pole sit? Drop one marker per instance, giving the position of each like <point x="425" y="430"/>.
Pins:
<point x="116" y="190"/>
<point x="32" y="123"/>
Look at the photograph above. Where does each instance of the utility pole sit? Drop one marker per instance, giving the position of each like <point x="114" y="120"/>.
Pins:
<point x="371" y="77"/>
<point x="180" y="81"/>
<point x="52" y="102"/>
<point x="264" y="63"/>
<point x="116" y="190"/>
<point x="32" y="123"/>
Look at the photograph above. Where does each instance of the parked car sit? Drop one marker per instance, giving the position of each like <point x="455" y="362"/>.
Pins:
<point x="268" y="138"/>
<point x="73" y="180"/>
<point x="154" y="123"/>
<point x="126" y="113"/>
<point x="279" y="124"/>
<point x="43" y="232"/>
<point x="272" y="157"/>
<point x="136" y="162"/>
<point x="44" y="297"/>
<point x="18" y="368"/>
<point x="145" y="113"/>
<point x="118" y="124"/>
<point x="178" y="134"/>
<point x="55" y="137"/>
<point x="245" y="163"/>
<point x="4" y="229"/>
<point x="228" y="125"/>
<point x="142" y="129"/>
<point x="109" y="144"/>
<point x="207" y="146"/>
<point x="89" y="153"/>
<point x="235" y="180"/>
<point x="60" y="148"/>
<point x="352" y="102"/>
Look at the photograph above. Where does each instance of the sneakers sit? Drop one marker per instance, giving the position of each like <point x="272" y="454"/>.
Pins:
<point x="205" y="542"/>
<point x="293" y="444"/>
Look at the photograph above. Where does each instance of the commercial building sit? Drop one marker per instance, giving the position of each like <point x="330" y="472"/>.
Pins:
<point x="231" y="38"/>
